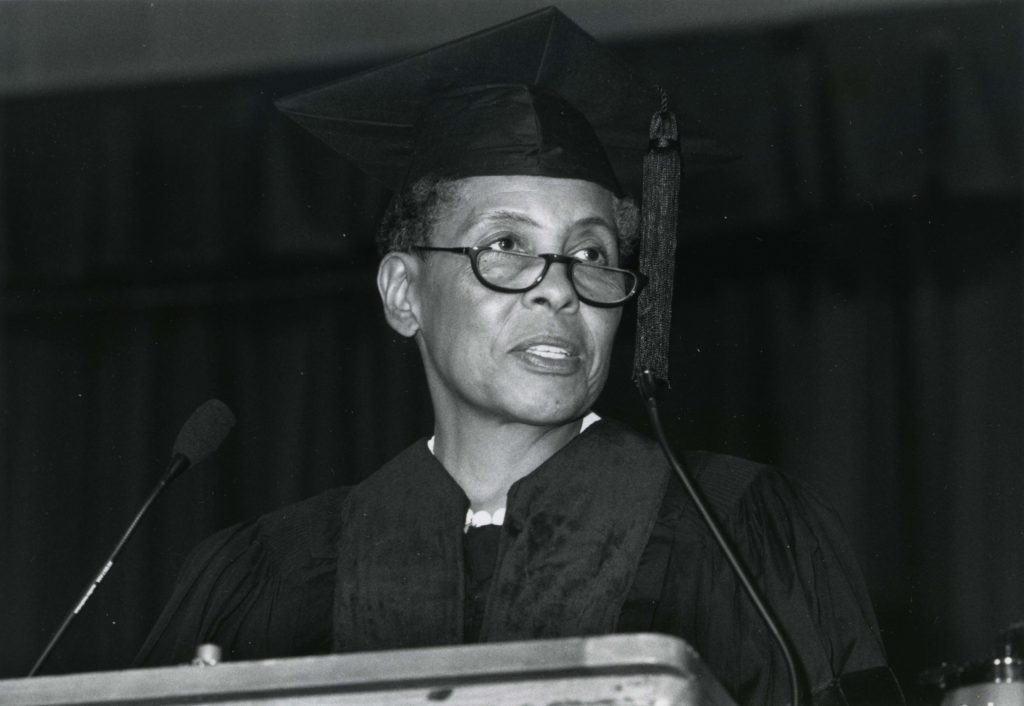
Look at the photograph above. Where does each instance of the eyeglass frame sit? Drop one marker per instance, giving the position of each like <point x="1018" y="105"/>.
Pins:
<point x="473" y="253"/>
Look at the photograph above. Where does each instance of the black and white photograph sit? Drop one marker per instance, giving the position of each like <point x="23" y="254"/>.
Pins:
<point x="502" y="352"/>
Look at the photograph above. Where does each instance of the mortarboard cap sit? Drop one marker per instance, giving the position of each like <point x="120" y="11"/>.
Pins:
<point x="533" y="96"/>
<point x="536" y="95"/>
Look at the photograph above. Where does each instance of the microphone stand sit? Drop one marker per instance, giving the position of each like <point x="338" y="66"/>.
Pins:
<point x="649" y="390"/>
<point x="178" y="464"/>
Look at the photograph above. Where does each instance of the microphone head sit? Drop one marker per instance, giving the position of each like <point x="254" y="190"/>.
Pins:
<point x="204" y="431"/>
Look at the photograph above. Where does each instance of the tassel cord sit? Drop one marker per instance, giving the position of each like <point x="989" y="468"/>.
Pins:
<point x="662" y="170"/>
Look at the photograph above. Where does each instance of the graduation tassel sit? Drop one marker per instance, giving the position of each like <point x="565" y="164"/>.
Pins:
<point x="659" y="215"/>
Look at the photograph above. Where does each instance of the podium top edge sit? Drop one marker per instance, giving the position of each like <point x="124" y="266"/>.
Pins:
<point x="642" y="653"/>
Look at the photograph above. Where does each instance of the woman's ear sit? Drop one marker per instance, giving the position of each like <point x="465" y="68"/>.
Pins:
<point x="395" y="280"/>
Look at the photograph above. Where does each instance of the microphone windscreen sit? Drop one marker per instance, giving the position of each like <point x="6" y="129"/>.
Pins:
<point x="204" y="431"/>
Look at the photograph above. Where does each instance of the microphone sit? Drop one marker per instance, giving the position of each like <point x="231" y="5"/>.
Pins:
<point x="200" y="436"/>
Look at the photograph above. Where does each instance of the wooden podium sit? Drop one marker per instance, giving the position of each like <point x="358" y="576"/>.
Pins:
<point x="614" y="669"/>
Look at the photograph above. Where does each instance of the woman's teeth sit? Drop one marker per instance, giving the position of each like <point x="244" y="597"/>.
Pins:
<point x="548" y="351"/>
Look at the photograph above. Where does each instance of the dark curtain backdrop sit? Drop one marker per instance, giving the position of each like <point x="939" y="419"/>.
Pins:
<point x="849" y="307"/>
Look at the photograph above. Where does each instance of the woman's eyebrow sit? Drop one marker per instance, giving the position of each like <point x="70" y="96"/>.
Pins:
<point x="594" y="221"/>
<point x="502" y="216"/>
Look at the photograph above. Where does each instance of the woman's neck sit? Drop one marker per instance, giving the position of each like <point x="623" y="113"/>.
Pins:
<point x="486" y="457"/>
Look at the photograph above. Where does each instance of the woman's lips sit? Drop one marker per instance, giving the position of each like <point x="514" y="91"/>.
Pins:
<point x="549" y="357"/>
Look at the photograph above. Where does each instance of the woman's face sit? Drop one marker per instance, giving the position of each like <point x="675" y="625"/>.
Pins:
<point x="538" y="357"/>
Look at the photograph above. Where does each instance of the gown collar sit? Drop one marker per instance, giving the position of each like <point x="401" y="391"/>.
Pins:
<point x="574" y="531"/>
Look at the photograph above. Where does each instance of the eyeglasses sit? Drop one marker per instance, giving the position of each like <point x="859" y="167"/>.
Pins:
<point x="514" y="272"/>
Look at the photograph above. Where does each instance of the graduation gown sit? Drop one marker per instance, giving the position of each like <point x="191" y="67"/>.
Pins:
<point x="600" y="538"/>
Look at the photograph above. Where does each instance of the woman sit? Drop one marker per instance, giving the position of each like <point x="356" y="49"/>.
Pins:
<point x="524" y="516"/>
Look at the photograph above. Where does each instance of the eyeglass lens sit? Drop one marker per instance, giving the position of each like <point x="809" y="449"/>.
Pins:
<point x="520" y="271"/>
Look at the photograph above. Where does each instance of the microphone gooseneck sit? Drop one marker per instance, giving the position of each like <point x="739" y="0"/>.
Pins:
<point x="649" y="387"/>
<point x="200" y="436"/>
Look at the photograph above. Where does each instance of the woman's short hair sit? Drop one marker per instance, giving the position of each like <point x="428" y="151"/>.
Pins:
<point x="415" y="211"/>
